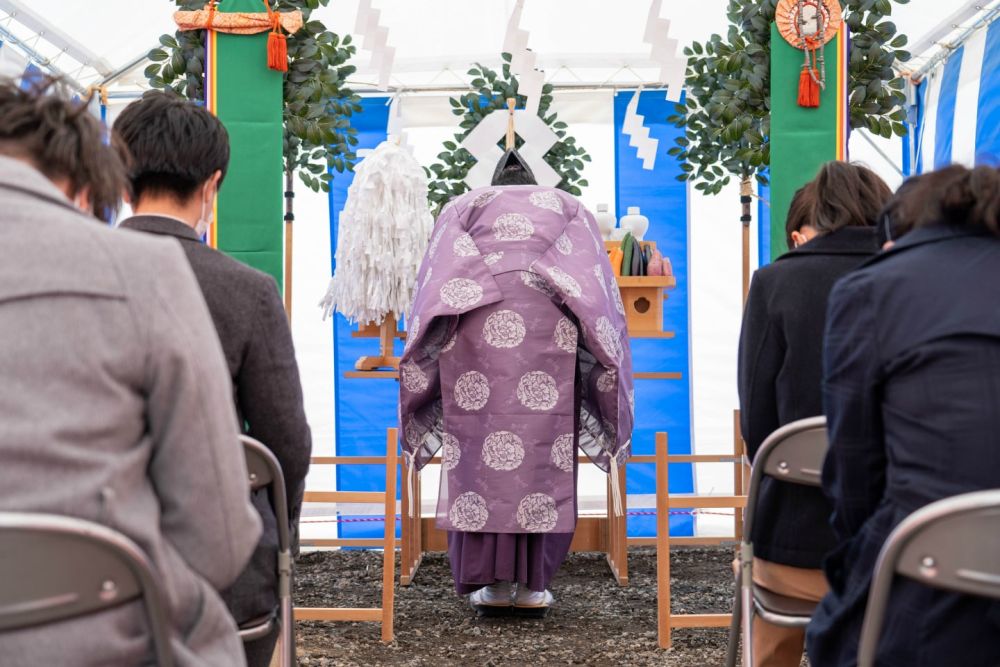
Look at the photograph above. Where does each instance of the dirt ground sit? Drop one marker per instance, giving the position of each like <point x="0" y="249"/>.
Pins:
<point x="594" y="621"/>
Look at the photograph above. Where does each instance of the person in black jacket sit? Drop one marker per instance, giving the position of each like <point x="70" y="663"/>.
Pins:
<point x="912" y="396"/>
<point x="180" y="153"/>
<point x="780" y="381"/>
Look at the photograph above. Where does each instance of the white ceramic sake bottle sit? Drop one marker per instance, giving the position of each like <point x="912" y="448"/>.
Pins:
<point x="605" y="221"/>
<point x="636" y="223"/>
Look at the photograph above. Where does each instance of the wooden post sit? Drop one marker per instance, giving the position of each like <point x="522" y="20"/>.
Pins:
<point x="617" y="527"/>
<point x="411" y="545"/>
<point x="511" y="134"/>
<point x="406" y="534"/>
<point x="389" y="545"/>
<point x="662" y="542"/>
<point x="289" y="219"/>
<point x="739" y="474"/>
<point x="746" y="198"/>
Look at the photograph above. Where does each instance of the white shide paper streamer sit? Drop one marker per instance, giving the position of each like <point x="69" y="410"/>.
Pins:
<point x="375" y="38"/>
<point x="664" y="50"/>
<point x="634" y="127"/>
<point x="523" y="60"/>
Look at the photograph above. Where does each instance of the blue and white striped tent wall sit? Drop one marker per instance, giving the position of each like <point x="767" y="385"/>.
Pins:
<point x="960" y="110"/>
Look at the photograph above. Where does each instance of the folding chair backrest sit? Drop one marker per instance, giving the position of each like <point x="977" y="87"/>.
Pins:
<point x="794" y="453"/>
<point x="265" y="471"/>
<point x="953" y="544"/>
<point x="56" y="568"/>
<point x="959" y="549"/>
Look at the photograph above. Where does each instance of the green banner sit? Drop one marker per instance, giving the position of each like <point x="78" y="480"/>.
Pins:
<point x="249" y="102"/>
<point x="802" y="139"/>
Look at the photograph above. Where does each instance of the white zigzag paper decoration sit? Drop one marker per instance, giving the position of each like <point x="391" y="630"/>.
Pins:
<point x="538" y="140"/>
<point x="375" y="38"/>
<point x="673" y="67"/>
<point x="634" y="127"/>
<point x="523" y="60"/>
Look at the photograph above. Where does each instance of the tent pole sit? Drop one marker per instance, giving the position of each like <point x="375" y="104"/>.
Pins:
<point x="7" y="37"/>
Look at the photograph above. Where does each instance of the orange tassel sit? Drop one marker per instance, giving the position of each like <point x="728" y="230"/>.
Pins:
<point x="277" y="43"/>
<point x="809" y="89"/>
<point x="277" y="52"/>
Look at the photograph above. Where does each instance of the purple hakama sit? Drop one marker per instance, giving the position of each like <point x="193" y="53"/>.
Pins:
<point x="482" y="559"/>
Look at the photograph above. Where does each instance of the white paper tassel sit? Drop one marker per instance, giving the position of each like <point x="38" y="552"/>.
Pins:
<point x="383" y="233"/>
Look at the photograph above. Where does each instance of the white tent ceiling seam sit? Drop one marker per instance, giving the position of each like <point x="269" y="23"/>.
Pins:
<point x="8" y="38"/>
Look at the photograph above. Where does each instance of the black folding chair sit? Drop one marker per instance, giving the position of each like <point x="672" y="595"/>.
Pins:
<point x="54" y="568"/>
<point x="794" y="454"/>
<point x="952" y="544"/>
<point x="265" y="472"/>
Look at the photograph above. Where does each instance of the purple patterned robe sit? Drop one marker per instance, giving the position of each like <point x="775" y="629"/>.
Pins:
<point x="496" y="374"/>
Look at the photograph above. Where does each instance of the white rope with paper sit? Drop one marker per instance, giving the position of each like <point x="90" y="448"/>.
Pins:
<point x="483" y="140"/>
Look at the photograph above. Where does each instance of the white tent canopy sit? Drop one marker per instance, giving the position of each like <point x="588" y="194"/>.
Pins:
<point x="577" y="41"/>
<point x="593" y="45"/>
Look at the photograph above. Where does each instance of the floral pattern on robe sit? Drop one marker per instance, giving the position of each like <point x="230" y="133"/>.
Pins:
<point x="517" y="354"/>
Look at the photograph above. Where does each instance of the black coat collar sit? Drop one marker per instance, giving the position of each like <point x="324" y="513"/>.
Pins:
<point x="927" y="235"/>
<point x="846" y="241"/>
<point x="934" y="234"/>
<point x="157" y="224"/>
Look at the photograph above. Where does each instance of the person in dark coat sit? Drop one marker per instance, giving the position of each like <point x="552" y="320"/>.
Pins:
<point x="912" y="396"/>
<point x="780" y="380"/>
<point x="175" y="178"/>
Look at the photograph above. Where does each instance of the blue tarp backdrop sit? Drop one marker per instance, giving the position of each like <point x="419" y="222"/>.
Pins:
<point x="660" y="405"/>
<point x="365" y="408"/>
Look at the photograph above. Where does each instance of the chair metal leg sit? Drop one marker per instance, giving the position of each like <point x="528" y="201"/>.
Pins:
<point x="735" y="626"/>
<point x="286" y="638"/>
<point x="746" y="602"/>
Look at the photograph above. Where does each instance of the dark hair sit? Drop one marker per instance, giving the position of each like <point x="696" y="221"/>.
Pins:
<point x="895" y="220"/>
<point x="847" y="195"/>
<point x="175" y="144"/>
<point x="63" y="141"/>
<point x="800" y="212"/>
<point x="954" y="195"/>
<point x="513" y="170"/>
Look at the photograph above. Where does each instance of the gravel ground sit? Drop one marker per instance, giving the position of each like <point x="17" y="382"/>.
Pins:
<point x="594" y="621"/>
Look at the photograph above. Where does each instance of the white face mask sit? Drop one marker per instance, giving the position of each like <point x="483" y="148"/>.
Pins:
<point x="205" y="220"/>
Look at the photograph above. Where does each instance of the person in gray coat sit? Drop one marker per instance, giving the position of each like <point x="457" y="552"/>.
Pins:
<point x="115" y="398"/>
<point x="179" y="156"/>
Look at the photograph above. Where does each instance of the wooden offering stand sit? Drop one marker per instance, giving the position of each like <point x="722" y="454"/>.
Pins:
<point x="387" y="333"/>
<point x="643" y="297"/>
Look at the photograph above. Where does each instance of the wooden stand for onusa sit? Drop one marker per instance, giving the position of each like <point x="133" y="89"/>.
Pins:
<point x="643" y="297"/>
<point x="387" y="332"/>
